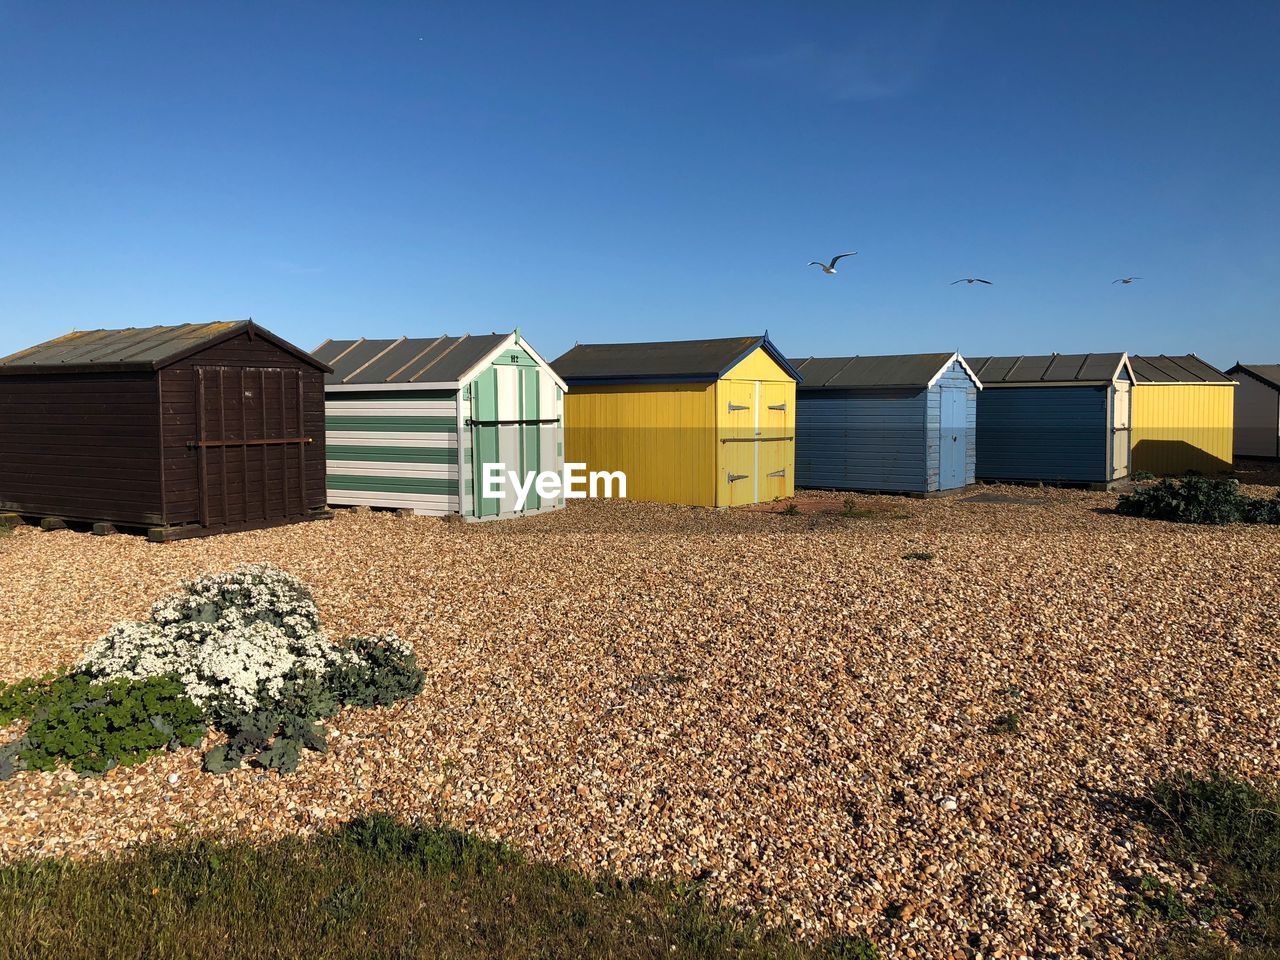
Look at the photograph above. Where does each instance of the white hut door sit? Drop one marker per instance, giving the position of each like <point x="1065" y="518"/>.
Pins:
<point x="1121" y="434"/>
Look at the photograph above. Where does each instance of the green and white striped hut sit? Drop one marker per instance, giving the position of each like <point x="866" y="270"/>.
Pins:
<point x="411" y="423"/>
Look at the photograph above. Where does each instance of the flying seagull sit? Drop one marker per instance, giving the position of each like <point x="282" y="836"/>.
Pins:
<point x="1126" y="280"/>
<point x="971" y="280"/>
<point x="831" y="267"/>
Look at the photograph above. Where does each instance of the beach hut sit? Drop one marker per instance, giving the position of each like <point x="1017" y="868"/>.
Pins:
<point x="186" y="430"/>
<point x="1056" y="419"/>
<point x="898" y="424"/>
<point x="1257" y="409"/>
<point x="413" y="423"/>
<point x="700" y="422"/>
<point x="1183" y="410"/>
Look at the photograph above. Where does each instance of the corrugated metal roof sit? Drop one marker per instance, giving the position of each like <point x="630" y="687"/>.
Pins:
<point x="134" y="348"/>
<point x="1268" y="373"/>
<point x="1185" y="369"/>
<point x="899" y="370"/>
<point x="1053" y="368"/>
<point x="690" y="361"/>
<point x="440" y="359"/>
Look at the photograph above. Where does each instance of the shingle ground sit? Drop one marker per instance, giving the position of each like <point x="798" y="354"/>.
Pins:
<point x="779" y="705"/>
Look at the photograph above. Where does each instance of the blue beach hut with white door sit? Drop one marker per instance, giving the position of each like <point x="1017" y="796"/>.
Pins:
<point x="893" y="424"/>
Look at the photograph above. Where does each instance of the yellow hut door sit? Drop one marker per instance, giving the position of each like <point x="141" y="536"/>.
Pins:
<point x="776" y="443"/>
<point x="739" y="473"/>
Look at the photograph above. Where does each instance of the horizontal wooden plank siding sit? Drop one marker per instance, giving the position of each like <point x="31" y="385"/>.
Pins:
<point x="392" y="484"/>
<point x="1054" y="433"/>
<point x="861" y="440"/>
<point x="393" y="448"/>
<point x="81" y="446"/>
<point x="392" y="424"/>
<point x="386" y="454"/>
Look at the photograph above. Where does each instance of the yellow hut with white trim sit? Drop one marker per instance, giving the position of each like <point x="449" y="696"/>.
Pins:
<point x="707" y="423"/>
<point x="1183" y="416"/>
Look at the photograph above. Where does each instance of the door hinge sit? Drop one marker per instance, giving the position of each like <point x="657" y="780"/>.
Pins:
<point x="778" y="406"/>
<point x="734" y="408"/>
<point x="738" y="476"/>
<point x="778" y="473"/>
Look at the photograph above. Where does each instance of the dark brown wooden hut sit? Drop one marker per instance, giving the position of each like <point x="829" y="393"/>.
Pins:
<point x="186" y="430"/>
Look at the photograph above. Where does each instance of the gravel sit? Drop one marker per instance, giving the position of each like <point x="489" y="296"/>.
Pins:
<point x="778" y="705"/>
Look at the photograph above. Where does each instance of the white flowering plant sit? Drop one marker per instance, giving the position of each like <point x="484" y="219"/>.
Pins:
<point x="249" y="649"/>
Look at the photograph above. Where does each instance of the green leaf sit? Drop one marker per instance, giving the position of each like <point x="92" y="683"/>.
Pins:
<point x="218" y="760"/>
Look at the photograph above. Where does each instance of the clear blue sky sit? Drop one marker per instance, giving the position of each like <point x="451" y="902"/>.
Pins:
<point x="661" y="170"/>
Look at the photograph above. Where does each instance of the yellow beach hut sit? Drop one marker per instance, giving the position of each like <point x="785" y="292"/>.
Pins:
<point x="1183" y="415"/>
<point x="706" y="423"/>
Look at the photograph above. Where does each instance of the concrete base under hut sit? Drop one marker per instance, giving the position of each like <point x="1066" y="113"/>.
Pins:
<point x="53" y="523"/>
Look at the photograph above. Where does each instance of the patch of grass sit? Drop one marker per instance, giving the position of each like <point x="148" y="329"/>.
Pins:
<point x="918" y="555"/>
<point x="375" y="888"/>
<point x="1008" y="722"/>
<point x="851" y="948"/>
<point x="1155" y="898"/>
<point x="851" y="509"/>
<point x="1231" y="830"/>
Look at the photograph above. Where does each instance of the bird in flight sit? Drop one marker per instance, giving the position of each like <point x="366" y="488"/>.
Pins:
<point x="831" y="267"/>
<point x="971" y="281"/>
<point x="1126" y="280"/>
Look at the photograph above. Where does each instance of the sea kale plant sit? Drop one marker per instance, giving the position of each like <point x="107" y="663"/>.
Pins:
<point x="1203" y="500"/>
<point x="244" y="650"/>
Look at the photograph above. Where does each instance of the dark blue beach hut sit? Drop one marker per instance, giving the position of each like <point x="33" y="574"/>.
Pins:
<point x="1062" y="418"/>
<point x="900" y="424"/>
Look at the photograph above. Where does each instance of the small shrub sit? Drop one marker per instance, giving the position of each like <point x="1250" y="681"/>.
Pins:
<point x="1142" y="476"/>
<point x="243" y="651"/>
<point x="19" y="700"/>
<point x="1199" y="500"/>
<point x="1009" y="722"/>
<point x="918" y="555"/>
<point x="92" y="727"/>
<point x="234" y="638"/>
<point x="1154" y="898"/>
<point x="791" y="510"/>
<point x="381" y="671"/>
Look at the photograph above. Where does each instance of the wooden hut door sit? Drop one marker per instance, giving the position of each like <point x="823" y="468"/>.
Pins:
<point x="249" y="444"/>
<point x="1121" y="434"/>
<point x="953" y="439"/>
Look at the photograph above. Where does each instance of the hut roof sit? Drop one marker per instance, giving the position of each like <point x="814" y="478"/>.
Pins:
<point x="418" y="360"/>
<point x="912" y="370"/>
<point x="1268" y="373"/>
<point x="134" y="348"/>
<point x="671" y="361"/>
<point x="1186" y="369"/>
<point x="1055" y="368"/>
